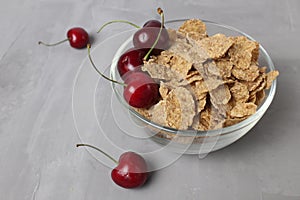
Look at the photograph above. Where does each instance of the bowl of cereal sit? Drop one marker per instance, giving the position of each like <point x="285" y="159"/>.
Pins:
<point x="215" y="83"/>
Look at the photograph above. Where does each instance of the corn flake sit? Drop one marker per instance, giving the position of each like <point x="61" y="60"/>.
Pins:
<point x="208" y="119"/>
<point x="212" y="83"/>
<point x="243" y="52"/>
<point x="221" y="68"/>
<point x="201" y="103"/>
<point x="271" y="76"/>
<point x="243" y="109"/>
<point x="163" y="90"/>
<point x="260" y="96"/>
<point x="193" y="76"/>
<point x="199" y="88"/>
<point x="252" y="85"/>
<point x="232" y="121"/>
<point x="144" y="112"/>
<point x="161" y="72"/>
<point x="260" y="87"/>
<point x="175" y="62"/>
<point x="220" y="95"/>
<point x="249" y="74"/>
<point x="180" y="108"/>
<point x="193" y="26"/>
<point x="252" y="98"/>
<point x="216" y="46"/>
<point x="158" y="113"/>
<point x="240" y="92"/>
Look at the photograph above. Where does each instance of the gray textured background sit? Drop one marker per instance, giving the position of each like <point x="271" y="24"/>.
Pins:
<point x="38" y="159"/>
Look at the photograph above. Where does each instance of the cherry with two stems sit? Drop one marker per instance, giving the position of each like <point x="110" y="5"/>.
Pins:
<point x="131" y="170"/>
<point x="77" y="37"/>
<point x="133" y="58"/>
<point x="140" y="90"/>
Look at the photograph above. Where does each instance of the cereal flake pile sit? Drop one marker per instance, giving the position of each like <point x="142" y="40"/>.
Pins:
<point x="206" y="82"/>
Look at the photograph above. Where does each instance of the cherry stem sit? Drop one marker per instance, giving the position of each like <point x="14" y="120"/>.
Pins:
<point x="161" y="13"/>
<point x="49" y="45"/>
<point x="118" y="21"/>
<point x="93" y="147"/>
<point x="97" y="70"/>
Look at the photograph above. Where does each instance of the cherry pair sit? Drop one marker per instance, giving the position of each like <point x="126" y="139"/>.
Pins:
<point x="141" y="90"/>
<point x="143" y="40"/>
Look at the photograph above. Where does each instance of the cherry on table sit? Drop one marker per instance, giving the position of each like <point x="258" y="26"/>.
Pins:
<point x="131" y="170"/>
<point x="77" y="37"/>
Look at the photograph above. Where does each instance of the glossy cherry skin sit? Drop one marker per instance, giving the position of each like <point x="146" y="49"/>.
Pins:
<point x="78" y="37"/>
<point x="131" y="171"/>
<point x="131" y="61"/>
<point x="153" y="23"/>
<point x="140" y="91"/>
<point x="145" y="37"/>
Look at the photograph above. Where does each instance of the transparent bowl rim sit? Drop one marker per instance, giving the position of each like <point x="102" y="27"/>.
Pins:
<point x="210" y="133"/>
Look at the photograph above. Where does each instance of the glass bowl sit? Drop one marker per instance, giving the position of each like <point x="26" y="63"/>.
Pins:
<point x="191" y="141"/>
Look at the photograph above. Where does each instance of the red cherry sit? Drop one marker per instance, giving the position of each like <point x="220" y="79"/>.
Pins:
<point x="130" y="61"/>
<point x="153" y="23"/>
<point x="152" y="36"/>
<point x="131" y="171"/>
<point x="140" y="91"/>
<point x="146" y="36"/>
<point x="77" y="37"/>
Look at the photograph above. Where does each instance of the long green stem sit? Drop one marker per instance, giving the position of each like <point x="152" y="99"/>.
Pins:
<point x="161" y="13"/>
<point x="97" y="70"/>
<point x="93" y="147"/>
<point x="118" y="21"/>
<point x="49" y="45"/>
